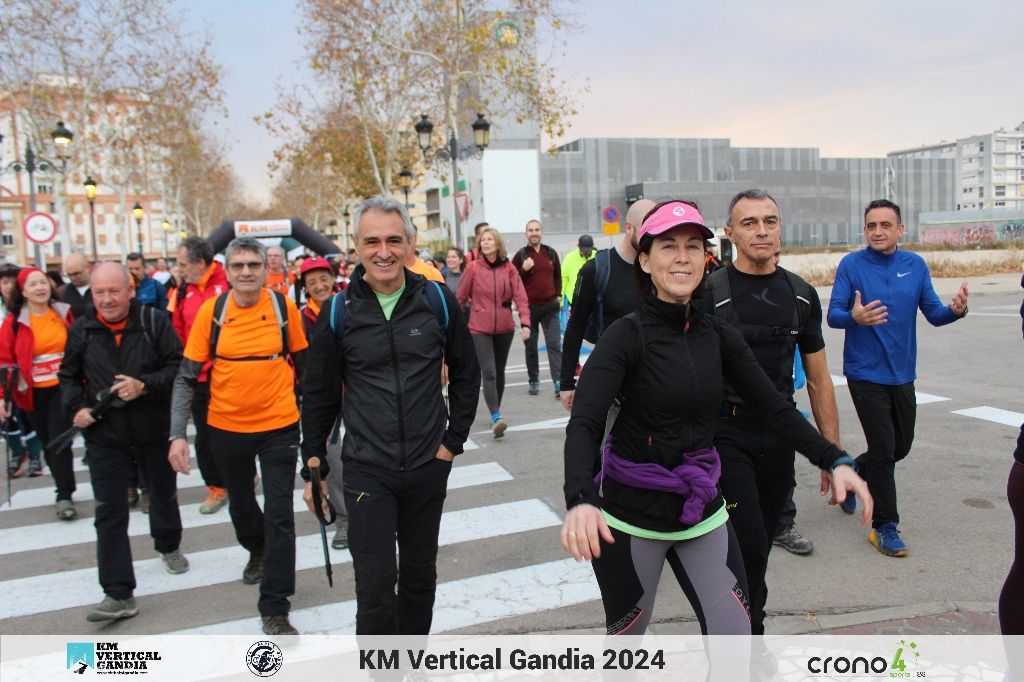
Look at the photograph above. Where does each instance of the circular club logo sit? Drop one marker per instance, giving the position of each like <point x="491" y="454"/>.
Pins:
<point x="40" y="228"/>
<point x="264" y="658"/>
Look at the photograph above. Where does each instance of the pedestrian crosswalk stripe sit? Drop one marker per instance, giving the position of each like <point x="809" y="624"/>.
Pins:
<point x="68" y="589"/>
<point x="458" y="603"/>
<point x="993" y="414"/>
<point x="65" y="533"/>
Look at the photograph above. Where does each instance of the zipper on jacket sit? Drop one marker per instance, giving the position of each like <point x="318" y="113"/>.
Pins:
<point x="494" y="290"/>
<point x="398" y="392"/>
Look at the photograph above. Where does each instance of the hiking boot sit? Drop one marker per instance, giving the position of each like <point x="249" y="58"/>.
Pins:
<point x="340" y="540"/>
<point x="534" y="387"/>
<point x="499" y="427"/>
<point x="113" y="609"/>
<point x="133" y="498"/>
<point x="886" y="539"/>
<point x="252" y="574"/>
<point x="17" y="466"/>
<point x="175" y="562"/>
<point x="144" y="501"/>
<point x="35" y="466"/>
<point x="849" y="505"/>
<point x="215" y="500"/>
<point x="66" y="511"/>
<point x="792" y="541"/>
<point x="278" y="625"/>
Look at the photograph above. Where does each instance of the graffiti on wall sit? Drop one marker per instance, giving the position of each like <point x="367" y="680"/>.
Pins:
<point x="973" y="235"/>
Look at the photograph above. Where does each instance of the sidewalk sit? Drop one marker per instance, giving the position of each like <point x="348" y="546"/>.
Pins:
<point x="933" y="618"/>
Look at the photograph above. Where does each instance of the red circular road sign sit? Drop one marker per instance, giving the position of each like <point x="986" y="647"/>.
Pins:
<point x="610" y="214"/>
<point x="40" y="228"/>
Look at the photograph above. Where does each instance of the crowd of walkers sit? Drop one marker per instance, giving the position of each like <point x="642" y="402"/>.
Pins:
<point x="683" y="428"/>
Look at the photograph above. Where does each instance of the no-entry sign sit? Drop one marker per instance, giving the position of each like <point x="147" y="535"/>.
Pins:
<point x="610" y="214"/>
<point x="39" y="227"/>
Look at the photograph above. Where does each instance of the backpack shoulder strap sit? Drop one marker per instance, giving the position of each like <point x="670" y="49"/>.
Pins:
<point x="602" y="268"/>
<point x="721" y="293"/>
<point x="437" y="303"/>
<point x="338" y="304"/>
<point x="148" y="329"/>
<point x="523" y="254"/>
<point x="280" y="304"/>
<point x="220" y="311"/>
<point x="802" y="295"/>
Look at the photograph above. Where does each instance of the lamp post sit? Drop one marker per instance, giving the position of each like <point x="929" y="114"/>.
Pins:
<point x="61" y="138"/>
<point x="405" y="182"/>
<point x="138" y="212"/>
<point x="90" y="193"/>
<point x="455" y="151"/>
<point x="347" y="216"/>
<point x="167" y="235"/>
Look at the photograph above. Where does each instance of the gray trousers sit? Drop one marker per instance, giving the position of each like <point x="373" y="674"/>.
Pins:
<point x="544" y="317"/>
<point x="334" y="479"/>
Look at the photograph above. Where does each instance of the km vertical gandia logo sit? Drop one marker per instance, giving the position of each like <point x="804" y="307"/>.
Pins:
<point x="902" y="665"/>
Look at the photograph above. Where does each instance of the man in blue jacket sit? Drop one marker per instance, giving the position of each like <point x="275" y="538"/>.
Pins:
<point x="148" y="291"/>
<point x="880" y="354"/>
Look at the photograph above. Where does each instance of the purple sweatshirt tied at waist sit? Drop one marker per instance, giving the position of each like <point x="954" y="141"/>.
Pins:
<point x="696" y="479"/>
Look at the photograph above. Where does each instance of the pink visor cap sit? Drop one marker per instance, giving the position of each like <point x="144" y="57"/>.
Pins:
<point x="670" y="215"/>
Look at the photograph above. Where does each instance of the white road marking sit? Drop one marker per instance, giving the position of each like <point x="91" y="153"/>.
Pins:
<point x="66" y="533"/>
<point x="69" y="589"/>
<point x="459" y="603"/>
<point x="993" y="414"/>
<point x="922" y="398"/>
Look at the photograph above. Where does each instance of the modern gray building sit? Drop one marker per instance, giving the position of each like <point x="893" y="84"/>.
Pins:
<point x="822" y="199"/>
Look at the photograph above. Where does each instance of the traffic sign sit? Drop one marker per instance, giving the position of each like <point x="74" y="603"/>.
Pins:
<point x="610" y="214"/>
<point x="612" y="228"/>
<point x="39" y="227"/>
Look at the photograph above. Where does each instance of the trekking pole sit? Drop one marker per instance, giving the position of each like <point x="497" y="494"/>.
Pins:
<point x="105" y="400"/>
<point x="7" y="380"/>
<point x="318" y="509"/>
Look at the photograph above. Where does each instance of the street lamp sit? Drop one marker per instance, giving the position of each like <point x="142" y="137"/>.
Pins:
<point x="90" y="193"/>
<point x="61" y="138"/>
<point x="138" y="212"/>
<point x="167" y="235"/>
<point x="455" y="151"/>
<point x="405" y="182"/>
<point x="347" y="216"/>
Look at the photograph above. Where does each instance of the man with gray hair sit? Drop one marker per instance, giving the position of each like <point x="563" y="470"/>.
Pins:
<point x="248" y="334"/>
<point x="777" y="312"/>
<point x="130" y="350"/>
<point x="378" y="348"/>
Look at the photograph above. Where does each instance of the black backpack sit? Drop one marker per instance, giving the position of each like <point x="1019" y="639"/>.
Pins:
<point x="721" y="295"/>
<point x="602" y="268"/>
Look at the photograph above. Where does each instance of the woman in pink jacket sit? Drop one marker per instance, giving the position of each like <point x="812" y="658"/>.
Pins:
<point x="491" y="284"/>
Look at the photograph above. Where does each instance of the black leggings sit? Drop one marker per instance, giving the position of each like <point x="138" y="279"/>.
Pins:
<point x="709" y="568"/>
<point x="492" y="353"/>
<point x="49" y="421"/>
<point x="1011" y="599"/>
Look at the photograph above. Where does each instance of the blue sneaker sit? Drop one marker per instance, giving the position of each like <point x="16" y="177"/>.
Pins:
<point x="849" y="505"/>
<point x="886" y="539"/>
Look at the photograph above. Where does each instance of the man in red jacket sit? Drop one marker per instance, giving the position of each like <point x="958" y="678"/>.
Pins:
<point x="204" y="279"/>
<point x="541" y="272"/>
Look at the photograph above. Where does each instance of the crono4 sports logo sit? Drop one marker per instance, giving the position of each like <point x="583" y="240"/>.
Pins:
<point x="902" y="665"/>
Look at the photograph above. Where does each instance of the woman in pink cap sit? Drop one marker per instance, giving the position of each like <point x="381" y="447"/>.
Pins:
<point x="655" y="497"/>
<point x="32" y="341"/>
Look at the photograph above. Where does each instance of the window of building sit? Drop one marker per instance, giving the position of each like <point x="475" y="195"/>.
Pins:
<point x="7" y="239"/>
<point x="1000" y="191"/>
<point x="981" y="192"/>
<point x="44" y="189"/>
<point x="1000" y="203"/>
<point x="981" y="146"/>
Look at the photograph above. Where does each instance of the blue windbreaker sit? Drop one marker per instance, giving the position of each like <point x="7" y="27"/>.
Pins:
<point x="887" y="353"/>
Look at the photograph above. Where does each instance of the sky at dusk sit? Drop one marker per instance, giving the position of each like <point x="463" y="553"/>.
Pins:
<point x="851" y="78"/>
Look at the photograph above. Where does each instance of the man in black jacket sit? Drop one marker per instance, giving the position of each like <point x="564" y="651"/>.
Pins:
<point x="127" y="348"/>
<point x="384" y="355"/>
<point x="77" y="293"/>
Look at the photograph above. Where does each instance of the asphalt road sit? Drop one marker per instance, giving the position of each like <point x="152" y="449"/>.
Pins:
<point x="501" y="569"/>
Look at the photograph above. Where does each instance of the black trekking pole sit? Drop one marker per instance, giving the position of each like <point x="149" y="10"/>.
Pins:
<point x="105" y="400"/>
<point x="318" y="509"/>
<point x="7" y="380"/>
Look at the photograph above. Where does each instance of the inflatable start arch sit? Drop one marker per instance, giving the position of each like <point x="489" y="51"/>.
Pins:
<point x="293" y="227"/>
